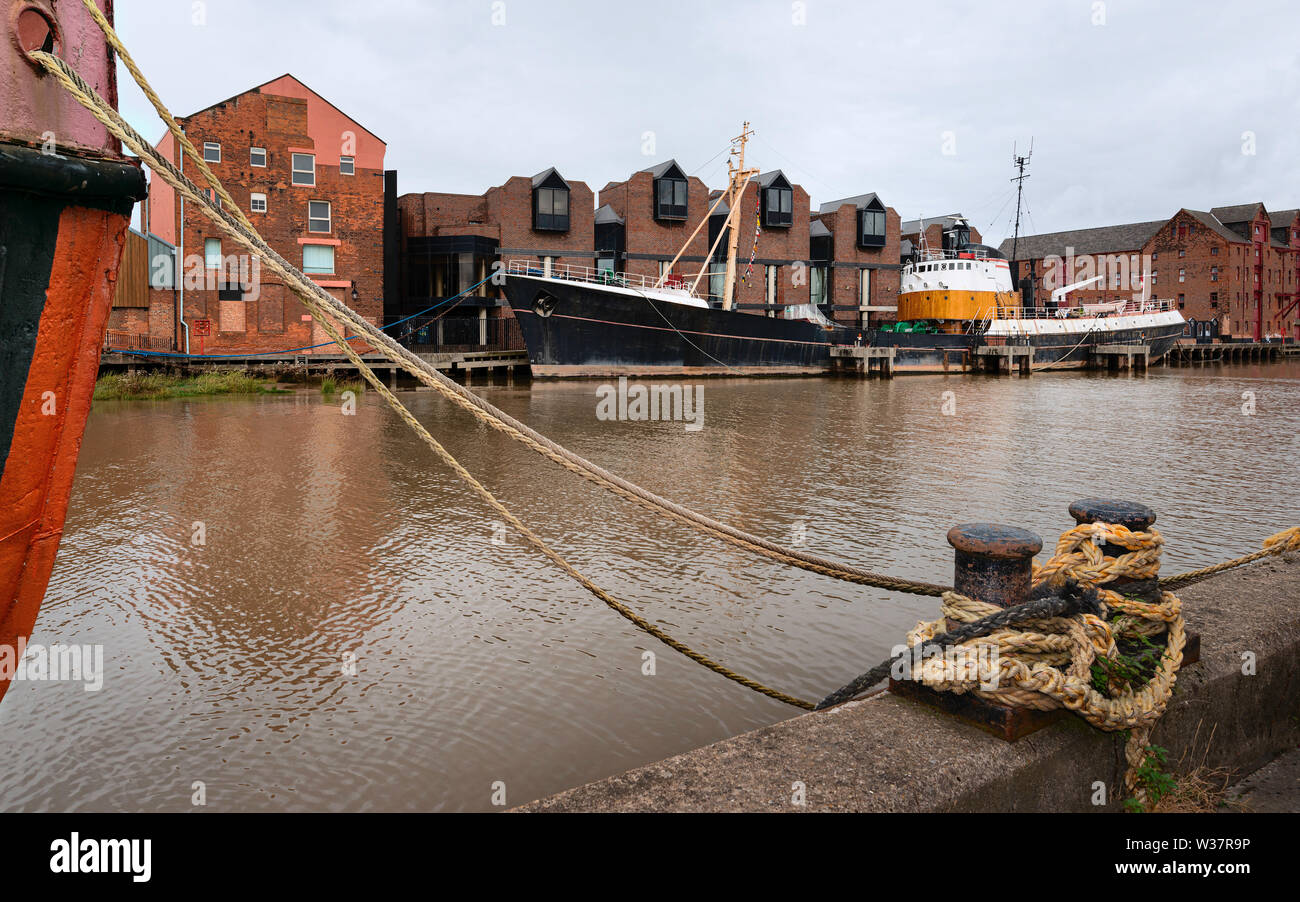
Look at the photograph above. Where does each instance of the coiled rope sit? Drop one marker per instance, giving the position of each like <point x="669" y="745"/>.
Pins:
<point x="330" y="312"/>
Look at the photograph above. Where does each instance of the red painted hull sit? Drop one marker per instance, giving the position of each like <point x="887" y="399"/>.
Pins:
<point x="47" y="431"/>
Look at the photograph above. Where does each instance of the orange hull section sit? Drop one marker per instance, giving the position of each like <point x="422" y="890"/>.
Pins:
<point x="42" y="460"/>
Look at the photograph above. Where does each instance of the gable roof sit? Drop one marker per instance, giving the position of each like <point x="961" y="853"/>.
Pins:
<point x="722" y="209"/>
<point x="1236" y="213"/>
<point x="547" y="175"/>
<point x="304" y="86"/>
<point x="1283" y="218"/>
<point x="1215" y="225"/>
<point x="914" y="226"/>
<point x="606" y="214"/>
<point x="860" y="201"/>
<point x="767" y="178"/>
<point x="659" y="170"/>
<point x="1106" y="239"/>
<point x="817" y="229"/>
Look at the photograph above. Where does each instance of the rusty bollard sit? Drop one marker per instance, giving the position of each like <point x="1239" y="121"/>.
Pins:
<point x="993" y="563"/>
<point x="1130" y="515"/>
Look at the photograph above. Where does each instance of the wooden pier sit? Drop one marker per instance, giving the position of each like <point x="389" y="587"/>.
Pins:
<point x="1188" y="354"/>
<point x="862" y="361"/>
<point x="466" y="366"/>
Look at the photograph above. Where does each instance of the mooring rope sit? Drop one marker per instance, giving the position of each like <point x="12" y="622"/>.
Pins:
<point x="1068" y="628"/>
<point x="1047" y="661"/>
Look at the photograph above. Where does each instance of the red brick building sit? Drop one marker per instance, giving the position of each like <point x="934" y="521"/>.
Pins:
<point x="449" y="242"/>
<point x="311" y="180"/>
<point x="1116" y="254"/>
<point x="855" y="252"/>
<point x="1234" y="272"/>
<point x="933" y="227"/>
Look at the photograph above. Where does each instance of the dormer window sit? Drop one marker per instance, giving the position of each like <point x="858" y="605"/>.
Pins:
<point x="871" y="228"/>
<point x="670" y="194"/>
<point x="550" y="202"/>
<point x="778" y="207"/>
<point x="552" y="209"/>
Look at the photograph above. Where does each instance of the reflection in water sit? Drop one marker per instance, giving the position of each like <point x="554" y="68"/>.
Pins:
<point x="333" y="539"/>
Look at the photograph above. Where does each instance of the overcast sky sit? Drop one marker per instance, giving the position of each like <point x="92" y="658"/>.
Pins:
<point x="1135" y="107"/>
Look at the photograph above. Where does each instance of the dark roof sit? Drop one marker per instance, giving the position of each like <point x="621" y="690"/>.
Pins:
<point x="1236" y="213"/>
<point x="1214" y="224"/>
<point x="658" y="170"/>
<point x="914" y="226"/>
<point x="723" y="207"/>
<point x="861" y="201"/>
<point x="606" y="214"/>
<point x="1283" y="218"/>
<point x="1127" y="237"/>
<point x="767" y="178"/>
<point x="545" y="174"/>
<point x="817" y="229"/>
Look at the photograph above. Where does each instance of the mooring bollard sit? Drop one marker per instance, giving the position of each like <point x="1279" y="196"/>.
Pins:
<point x="993" y="563"/>
<point x="1130" y="515"/>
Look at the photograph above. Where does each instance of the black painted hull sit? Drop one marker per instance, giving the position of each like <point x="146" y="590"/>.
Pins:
<point x="579" y="329"/>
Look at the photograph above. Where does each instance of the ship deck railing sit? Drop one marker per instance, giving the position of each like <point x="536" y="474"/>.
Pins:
<point x="591" y="275"/>
<point x="1131" y="308"/>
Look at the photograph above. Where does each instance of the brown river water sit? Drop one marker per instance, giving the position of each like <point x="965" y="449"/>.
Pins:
<point x="357" y="633"/>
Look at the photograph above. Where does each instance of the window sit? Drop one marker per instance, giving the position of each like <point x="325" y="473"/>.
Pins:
<point x="1214" y="299"/>
<point x="817" y="285"/>
<point x="772" y="276"/>
<point x="347" y="166"/>
<point x="257" y="203"/>
<point x="871" y="228"/>
<point x="304" y="169"/>
<point x="1214" y="252"/>
<point x="318" y="216"/>
<point x="1182" y="252"/>
<point x="1214" y="273"/>
<point x="318" y="258"/>
<point x="780" y="207"/>
<point x="211" y="152"/>
<point x="1182" y="275"/>
<point x="1182" y="301"/>
<point x="552" y="213"/>
<point x="212" y="253"/>
<point x="670" y="194"/>
<point x="717" y="280"/>
<point x="257" y="157"/>
<point x="605" y="264"/>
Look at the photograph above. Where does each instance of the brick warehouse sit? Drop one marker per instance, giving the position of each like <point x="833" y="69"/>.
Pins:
<point x="855" y="260"/>
<point x="312" y="181"/>
<point x="1233" y="272"/>
<point x="448" y="242"/>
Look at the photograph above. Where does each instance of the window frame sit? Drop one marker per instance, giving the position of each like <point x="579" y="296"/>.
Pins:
<point x="253" y="198"/>
<point x="265" y="158"/>
<point x="328" y="219"/>
<point x="779" y="218"/>
<point x="294" y="171"/>
<point x="209" y="145"/>
<point x="672" y="210"/>
<point x="551" y="221"/>
<point x="317" y="270"/>
<point x="872" y="239"/>
<point x="352" y="163"/>
<point x="207" y="253"/>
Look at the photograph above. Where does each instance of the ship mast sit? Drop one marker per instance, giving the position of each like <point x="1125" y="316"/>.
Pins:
<point x="1019" y="162"/>
<point x="739" y="177"/>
